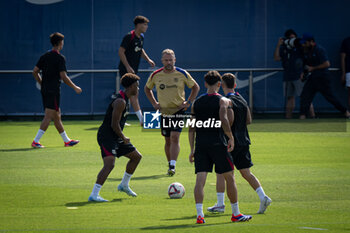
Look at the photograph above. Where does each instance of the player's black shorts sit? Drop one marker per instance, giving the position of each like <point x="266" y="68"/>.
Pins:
<point x="167" y="130"/>
<point x="111" y="147"/>
<point x="206" y="156"/>
<point x="51" y="100"/>
<point x="241" y="157"/>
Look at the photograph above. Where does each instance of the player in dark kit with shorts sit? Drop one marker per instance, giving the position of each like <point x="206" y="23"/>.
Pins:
<point x="211" y="145"/>
<point x="241" y="154"/>
<point x="130" y="52"/>
<point x="53" y="67"/>
<point x="114" y="143"/>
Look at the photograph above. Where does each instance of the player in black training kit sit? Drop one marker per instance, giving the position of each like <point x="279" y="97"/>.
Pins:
<point x="53" y="67"/>
<point x="240" y="154"/>
<point x="130" y="52"/>
<point x="114" y="143"/>
<point x="211" y="145"/>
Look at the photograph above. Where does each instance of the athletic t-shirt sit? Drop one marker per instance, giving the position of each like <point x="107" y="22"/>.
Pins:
<point x="206" y="107"/>
<point x="239" y="126"/>
<point x="51" y="64"/>
<point x="170" y="88"/>
<point x="133" y="46"/>
<point x="106" y="128"/>
<point x="316" y="57"/>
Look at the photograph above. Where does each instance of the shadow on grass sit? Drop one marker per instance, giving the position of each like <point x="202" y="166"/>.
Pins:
<point x="17" y="149"/>
<point x="195" y="216"/>
<point x="139" y="178"/>
<point x="28" y="149"/>
<point x="92" y="129"/>
<point x="183" y="225"/>
<point x="84" y="203"/>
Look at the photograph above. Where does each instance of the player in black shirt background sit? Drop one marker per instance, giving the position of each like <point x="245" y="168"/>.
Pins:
<point x="53" y="67"/>
<point x="211" y="147"/>
<point x="114" y="143"/>
<point x="241" y="155"/>
<point x="130" y="52"/>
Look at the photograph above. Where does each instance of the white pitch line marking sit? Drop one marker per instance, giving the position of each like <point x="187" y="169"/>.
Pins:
<point x="72" y="208"/>
<point x="313" y="228"/>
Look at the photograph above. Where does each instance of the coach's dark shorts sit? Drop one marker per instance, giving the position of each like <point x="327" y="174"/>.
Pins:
<point x="205" y="157"/>
<point x="241" y="157"/>
<point x="178" y="117"/>
<point x="111" y="147"/>
<point x="51" y="100"/>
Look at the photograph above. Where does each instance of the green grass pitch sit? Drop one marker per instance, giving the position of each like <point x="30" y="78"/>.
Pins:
<point x="307" y="175"/>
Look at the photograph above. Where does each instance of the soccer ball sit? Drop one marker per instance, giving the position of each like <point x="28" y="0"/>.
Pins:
<point x="176" y="190"/>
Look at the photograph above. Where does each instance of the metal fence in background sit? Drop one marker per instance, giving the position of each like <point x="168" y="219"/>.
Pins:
<point x="94" y="96"/>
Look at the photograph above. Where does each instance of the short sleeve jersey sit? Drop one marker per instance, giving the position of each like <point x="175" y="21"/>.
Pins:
<point x="106" y="128"/>
<point x="170" y="88"/>
<point x="133" y="46"/>
<point x="51" y="64"/>
<point x="345" y="48"/>
<point x="316" y="57"/>
<point x="239" y="126"/>
<point x="292" y="63"/>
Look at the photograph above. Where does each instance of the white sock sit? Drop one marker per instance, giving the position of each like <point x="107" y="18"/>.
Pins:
<point x="199" y="207"/>
<point x="96" y="190"/>
<point x="64" y="136"/>
<point x="221" y="199"/>
<point x="172" y="163"/>
<point x="235" y="209"/>
<point x="261" y="193"/>
<point x="126" y="179"/>
<point x="139" y="115"/>
<point x="39" y="135"/>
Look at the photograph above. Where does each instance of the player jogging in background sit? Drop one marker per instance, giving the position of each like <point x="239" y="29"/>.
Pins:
<point x="53" y="67"/>
<point x="130" y="53"/>
<point x="114" y="143"/>
<point x="211" y="146"/>
<point x="240" y="154"/>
